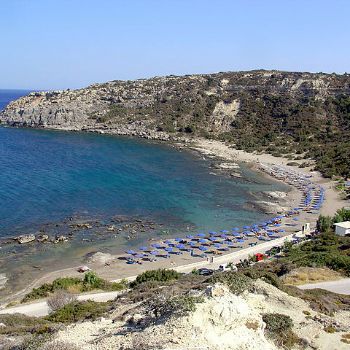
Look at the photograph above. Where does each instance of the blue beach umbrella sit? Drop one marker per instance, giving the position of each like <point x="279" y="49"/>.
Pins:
<point x="189" y="236"/>
<point x="139" y="256"/>
<point x="224" y="231"/>
<point x="143" y="248"/>
<point x="178" y="239"/>
<point x="295" y="219"/>
<point x="203" y="248"/>
<point x="213" y="233"/>
<point x="203" y="240"/>
<point x="169" y="249"/>
<point x="281" y="230"/>
<point x="235" y="229"/>
<point x="154" y="252"/>
<point x="131" y="252"/>
<point x="201" y="235"/>
<point x="181" y="246"/>
<point x="157" y="245"/>
<point x="246" y="227"/>
<point x="192" y="244"/>
<point x="278" y="225"/>
<point x="240" y="240"/>
<point x="168" y="241"/>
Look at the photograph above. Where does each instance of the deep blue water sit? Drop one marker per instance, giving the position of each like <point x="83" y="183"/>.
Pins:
<point x="47" y="176"/>
<point x="8" y="95"/>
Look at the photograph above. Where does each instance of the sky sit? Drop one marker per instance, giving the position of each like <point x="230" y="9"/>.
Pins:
<point x="59" y="44"/>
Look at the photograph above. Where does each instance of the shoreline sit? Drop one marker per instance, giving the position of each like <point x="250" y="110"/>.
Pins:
<point x="218" y="151"/>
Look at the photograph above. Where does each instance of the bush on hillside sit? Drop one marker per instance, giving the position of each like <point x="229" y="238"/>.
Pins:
<point x="79" y="311"/>
<point x="90" y="282"/>
<point x="160" y="275"/>
<point x="17" y="324"/>
<point x="325" y="250"/>
<point x="236" y="282"/>
<point x="277" y="322"/>
<point x="279" y="328"/>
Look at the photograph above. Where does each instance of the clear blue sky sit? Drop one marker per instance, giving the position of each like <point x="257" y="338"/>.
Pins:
<point x="56" y="44"/>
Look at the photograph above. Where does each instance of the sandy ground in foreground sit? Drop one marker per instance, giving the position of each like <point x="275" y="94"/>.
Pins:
<point x="119" y="269"/>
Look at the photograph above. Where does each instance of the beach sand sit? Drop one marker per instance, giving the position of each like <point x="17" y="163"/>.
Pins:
<point x="118" y="268"/>
<point x="219" y="149"/>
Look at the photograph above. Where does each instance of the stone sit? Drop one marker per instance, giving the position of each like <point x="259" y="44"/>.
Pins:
<point x="100" y="258"/>
<point x="42" y="238"/>
<point x="60" y="239"/>
<point x="25" y="238"/>
<point x="218" y="290"/>
<point x="3" y="280"/>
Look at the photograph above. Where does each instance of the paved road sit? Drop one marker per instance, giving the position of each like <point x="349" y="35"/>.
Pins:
<point x="340" y="286"/>
<point x="41" y="309"/>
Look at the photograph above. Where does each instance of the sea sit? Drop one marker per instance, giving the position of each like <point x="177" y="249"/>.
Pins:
<point x="48" y="178"/>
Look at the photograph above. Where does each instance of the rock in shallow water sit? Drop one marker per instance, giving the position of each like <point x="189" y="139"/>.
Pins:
<point x="25" y="238"/>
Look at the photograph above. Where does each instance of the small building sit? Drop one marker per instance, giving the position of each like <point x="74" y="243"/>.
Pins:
<point x="342" y="228"/>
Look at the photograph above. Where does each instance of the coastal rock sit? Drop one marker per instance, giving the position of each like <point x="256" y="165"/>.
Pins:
<point x="25" y="238"/>
<point x="3" y="280"/>
<point x="100" y="258"/>
<point x="236" y="174"/>
<point x="269" y="207"/>
<point x="276" y="194"/>
<point x="42" y="238"/>
<point x="166" y="108"/>
<point x="60" y="239"/>
<point x="227" y="166"/>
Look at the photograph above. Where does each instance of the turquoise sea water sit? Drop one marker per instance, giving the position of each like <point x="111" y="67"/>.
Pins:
<point x="48" y="176"/>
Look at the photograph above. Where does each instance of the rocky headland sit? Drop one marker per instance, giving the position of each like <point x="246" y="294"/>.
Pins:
<point x="282" y="113"/>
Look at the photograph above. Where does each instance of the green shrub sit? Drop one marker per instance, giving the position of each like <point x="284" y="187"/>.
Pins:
<point x="90" y="282"/>
<point x="37" y="293"/>
<point x="18" y="324"/>
<point x="79" y="311"/>
<point x="236" y="282"/>
<point x="65" y="282"/>
<point x="277" y="322"/>
<point x="185" y="304"/>
<point x="160" y="275"/>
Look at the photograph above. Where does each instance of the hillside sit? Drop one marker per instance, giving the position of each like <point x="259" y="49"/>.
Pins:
<point x="298" y="115"/>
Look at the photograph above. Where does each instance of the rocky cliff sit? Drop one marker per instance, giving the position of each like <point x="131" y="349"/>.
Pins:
<point x="258" y="110"/>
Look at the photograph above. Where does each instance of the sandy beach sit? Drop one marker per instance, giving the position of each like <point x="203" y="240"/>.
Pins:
<point x="219" y="149"/>
<point x="117" y="268"/>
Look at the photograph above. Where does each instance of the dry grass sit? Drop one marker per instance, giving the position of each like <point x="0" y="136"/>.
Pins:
<point x="59" y="299"/>
<point x="303" y="275"/>
<point x="59" y="345"/>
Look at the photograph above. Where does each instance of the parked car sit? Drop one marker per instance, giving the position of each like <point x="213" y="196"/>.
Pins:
<point x="205" y="272"/>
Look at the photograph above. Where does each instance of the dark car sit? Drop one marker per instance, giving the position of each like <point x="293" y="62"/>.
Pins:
<point x="205" y="272"/>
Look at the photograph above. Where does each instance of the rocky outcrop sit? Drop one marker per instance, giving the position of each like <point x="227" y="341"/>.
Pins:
<point x="221" y="321"/>
<point x="25" y="238"/>
<point x="156" y="108"/>
<point x="100" y="258"/>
